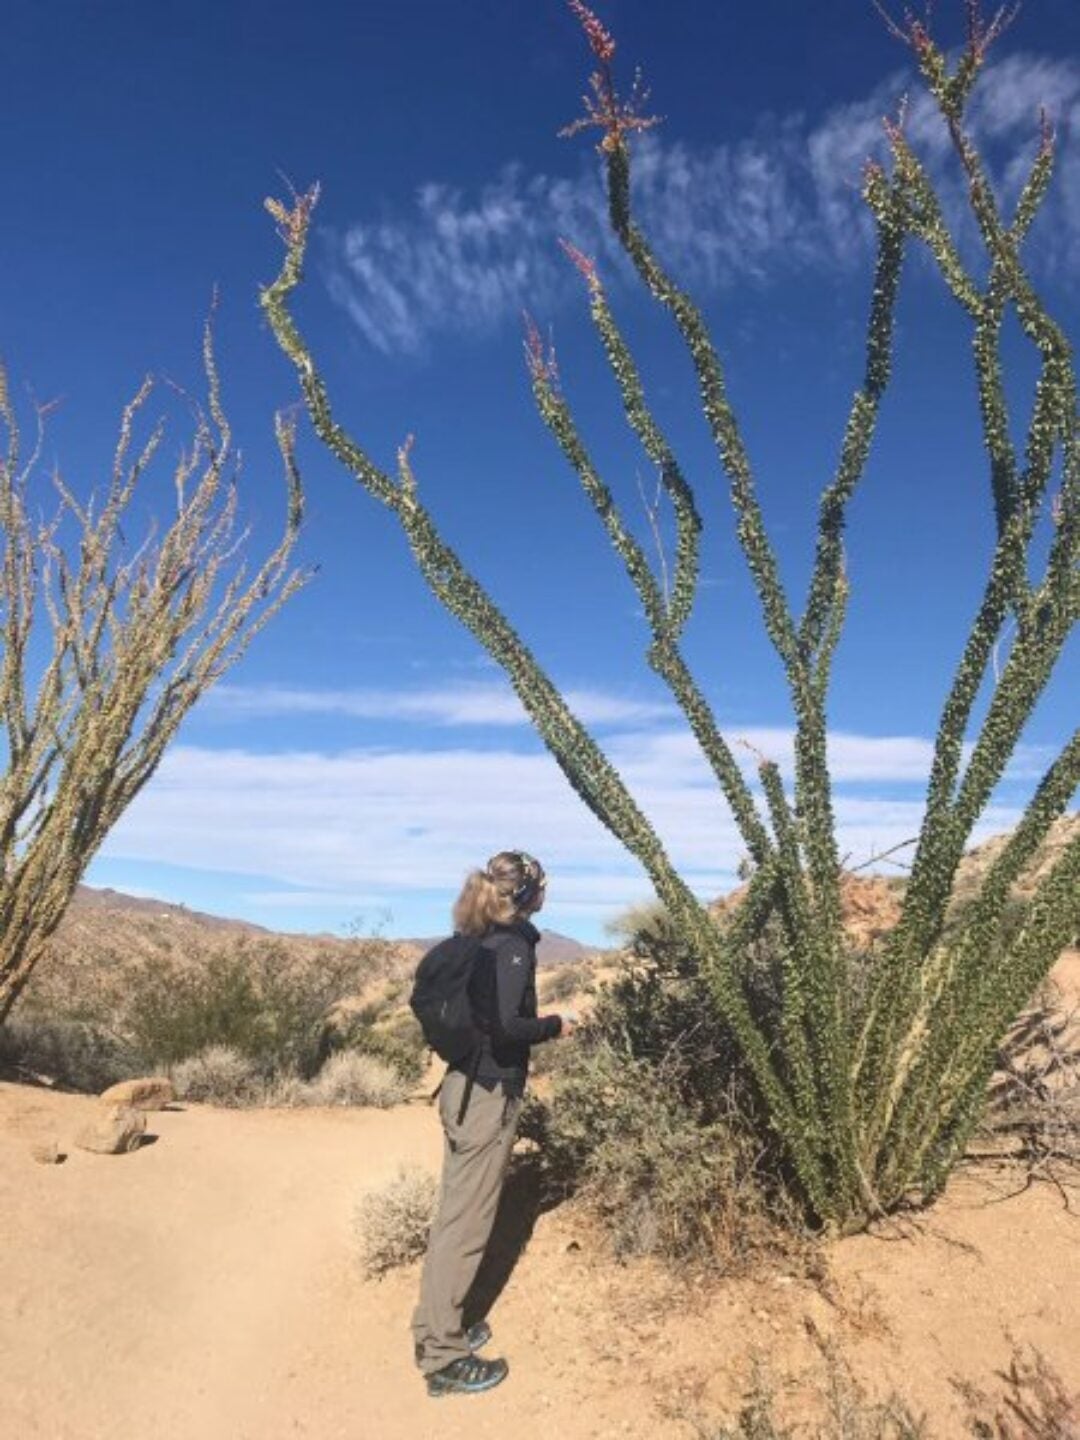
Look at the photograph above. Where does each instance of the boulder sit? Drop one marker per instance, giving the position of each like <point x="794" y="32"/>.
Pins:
<point x="870" y="907"/>
<point x="114" y="1131"/>
<point x="149" y="1092"/>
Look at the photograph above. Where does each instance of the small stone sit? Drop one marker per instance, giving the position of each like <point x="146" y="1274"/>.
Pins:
<point x="147" y="1092"/>
<point x="115" y="1131"/>
<point x="47" y="1153"/>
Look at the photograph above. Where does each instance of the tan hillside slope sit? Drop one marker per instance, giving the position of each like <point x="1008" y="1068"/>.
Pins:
<point x="872" y="903"/>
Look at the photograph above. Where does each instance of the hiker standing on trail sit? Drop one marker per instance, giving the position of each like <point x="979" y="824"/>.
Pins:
<point x="479" y="1104"/>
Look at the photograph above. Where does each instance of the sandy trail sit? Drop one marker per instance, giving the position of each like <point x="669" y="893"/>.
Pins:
<point x="205" y="1287"/>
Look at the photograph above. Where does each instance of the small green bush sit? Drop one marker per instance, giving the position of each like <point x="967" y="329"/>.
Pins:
<point x="253" y="998"/>
<point x="664" y="1180"/>
<point x="392" y="1224"/>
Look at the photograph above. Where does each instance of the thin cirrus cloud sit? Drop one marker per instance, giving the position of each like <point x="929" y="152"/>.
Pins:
<point x="645" y="734"/>
<point x="490" y="704"/>
<point x="777" y="201"/>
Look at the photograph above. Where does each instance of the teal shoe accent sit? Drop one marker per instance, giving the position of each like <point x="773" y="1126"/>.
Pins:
<point x="478" y="1335"/>
<point x="471" y="1376"/>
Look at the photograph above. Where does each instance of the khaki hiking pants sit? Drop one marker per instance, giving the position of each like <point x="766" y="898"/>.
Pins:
<point x="475" y="1156"/>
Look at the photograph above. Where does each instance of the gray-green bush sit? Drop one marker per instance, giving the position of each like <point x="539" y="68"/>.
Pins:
<point x="217" y="1075"/>
<point x="654" y="1122"/>
<point x="870" y="1092"/>
<point x="562" y="983"/>
<point x="350" y="1078"/>
<point x="392" y="1224"/>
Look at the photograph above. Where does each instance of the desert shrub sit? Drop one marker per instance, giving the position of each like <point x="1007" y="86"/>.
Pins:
<point x="75" y="1054"/>
<point x="177" y="1014"/>
<point x="400" y="1052"/>
<point x="254" y="998"/>
<point x="392" y="1224"/>
<point x="402" y="1025"/>
<point x="849" y="1412"/>
<point x="217" y="1075"/>
<point x="1036" y="1404"/>
<point x="546" y="1059"/>
<point x="1032" y="1115"/>
<point x="648" y="918"/>
<point x="653" y="1124"/>
<point x="398" y="1042"/>
<point x="567" y="980"/>
<point x="285" y="1092"/>
<point x="350" y="1078"/>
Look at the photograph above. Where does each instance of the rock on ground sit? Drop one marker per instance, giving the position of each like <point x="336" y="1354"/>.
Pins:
<point x="148" y="1092"/>
<point x="114" y="1131"/>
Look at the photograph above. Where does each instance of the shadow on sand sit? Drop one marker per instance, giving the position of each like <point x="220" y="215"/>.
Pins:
<point x="524" y="1199"/>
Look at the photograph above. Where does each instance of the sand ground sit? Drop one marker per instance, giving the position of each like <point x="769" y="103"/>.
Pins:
<point x="206" y="1287"/>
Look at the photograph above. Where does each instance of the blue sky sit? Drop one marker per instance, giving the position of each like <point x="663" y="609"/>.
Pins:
<point x="365" y="754"/>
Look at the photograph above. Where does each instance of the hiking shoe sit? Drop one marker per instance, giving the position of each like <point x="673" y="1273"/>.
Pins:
<point x="468" y="1376"/>
<point x="478" y="1335"/>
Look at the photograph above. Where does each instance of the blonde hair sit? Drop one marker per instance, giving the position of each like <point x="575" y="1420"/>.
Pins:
<point x="500" y="893"/>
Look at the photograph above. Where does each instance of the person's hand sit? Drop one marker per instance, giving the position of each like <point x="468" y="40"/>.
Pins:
<point x="569" y="1021"/>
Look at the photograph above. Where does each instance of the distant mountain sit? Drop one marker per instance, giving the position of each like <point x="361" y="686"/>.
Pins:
<point x="556" y="949"/>
<point x="108" y="930"/>
<point x="99" y="910"/>
<point x="88" y="901"/>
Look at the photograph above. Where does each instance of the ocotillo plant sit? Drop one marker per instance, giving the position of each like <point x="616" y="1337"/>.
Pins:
<point x="872" y="1091"/>
<point x="108" y="646"/>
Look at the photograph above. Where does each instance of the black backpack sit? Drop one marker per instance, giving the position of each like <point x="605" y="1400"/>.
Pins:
<point x="440" y="998"/>
<point x="441" y="1002"/>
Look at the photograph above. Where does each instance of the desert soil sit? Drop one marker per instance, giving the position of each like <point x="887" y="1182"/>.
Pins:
<point x="206" y="1287"/>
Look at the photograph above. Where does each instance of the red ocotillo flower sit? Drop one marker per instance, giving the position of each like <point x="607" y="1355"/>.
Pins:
<point x="543" y="369"/>
<point x="604" y="108"/>
<point x="603" y="44"/>
<point x="585" y="263"/>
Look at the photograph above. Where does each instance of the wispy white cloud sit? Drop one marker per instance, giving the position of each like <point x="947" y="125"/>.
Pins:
<point x="853" y="759"/>
<point x="784" y="197"/>
<point x="464" y="704"/>
<point x="647" y="736"/>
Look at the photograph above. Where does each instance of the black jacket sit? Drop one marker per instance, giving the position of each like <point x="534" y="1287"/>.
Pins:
<point x="503" y="991"/>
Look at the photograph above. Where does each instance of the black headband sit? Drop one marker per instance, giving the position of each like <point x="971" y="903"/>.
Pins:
<point x="530" y="885"/>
